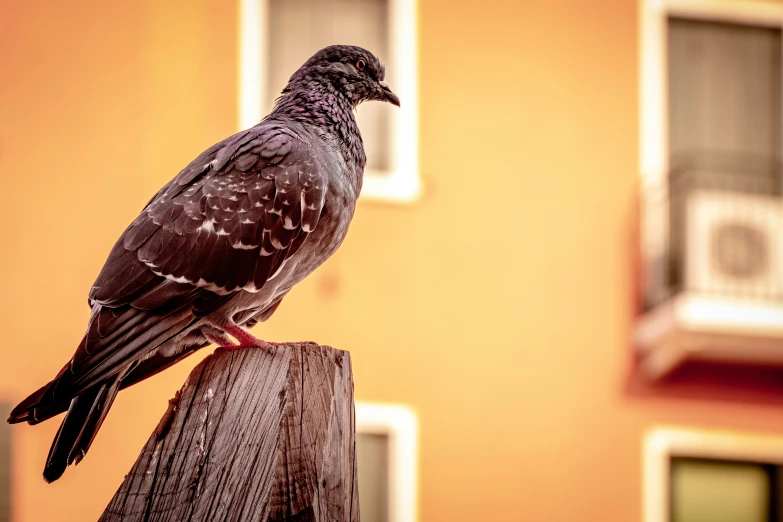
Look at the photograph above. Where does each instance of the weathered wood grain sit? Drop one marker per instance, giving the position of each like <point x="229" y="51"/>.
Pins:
<point x="252" y="436"/>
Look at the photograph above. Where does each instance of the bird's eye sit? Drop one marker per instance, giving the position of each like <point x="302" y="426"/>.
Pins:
<point x="361" y="64"/>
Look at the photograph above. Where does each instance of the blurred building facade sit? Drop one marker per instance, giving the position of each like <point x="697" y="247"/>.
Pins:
<point x="500" y="306"/>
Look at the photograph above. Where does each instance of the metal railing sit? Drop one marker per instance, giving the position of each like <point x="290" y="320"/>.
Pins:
<point x="715" y="227"/>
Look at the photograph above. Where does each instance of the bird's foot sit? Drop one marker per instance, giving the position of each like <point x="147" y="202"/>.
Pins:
<point x="216" y="336"/>
<point x="221" y="338"/>
<point x="264" y="345"/>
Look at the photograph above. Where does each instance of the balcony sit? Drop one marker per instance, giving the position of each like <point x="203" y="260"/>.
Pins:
<point x="713" y="255"/>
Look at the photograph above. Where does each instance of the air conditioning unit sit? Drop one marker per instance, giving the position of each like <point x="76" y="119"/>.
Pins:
<point x="726" y="266"/>
<point x="733" y="245"/>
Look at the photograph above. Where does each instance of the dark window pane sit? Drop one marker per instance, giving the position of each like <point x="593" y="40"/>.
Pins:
<point x="724" y="89"/>
<point x="372" y="464"/>
<point x="719" y="491"/>
<point x="298" y="28"/>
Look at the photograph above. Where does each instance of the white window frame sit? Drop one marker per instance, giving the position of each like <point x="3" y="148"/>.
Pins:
<point x="662" y="443"/>
<point x="653" y="66"/>
<point x="653" y="96"/>
<point x="402" y="183"/>
<point x="400" y="425"/>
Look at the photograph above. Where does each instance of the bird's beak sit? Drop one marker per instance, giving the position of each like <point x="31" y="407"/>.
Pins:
<point x="388" y="95"/>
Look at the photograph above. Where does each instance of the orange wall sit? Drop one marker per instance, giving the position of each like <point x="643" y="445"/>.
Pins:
<point x="499" y="307"/>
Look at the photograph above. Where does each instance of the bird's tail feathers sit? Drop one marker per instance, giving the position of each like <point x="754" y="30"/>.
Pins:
<point x="64" y="441"/>
<point x="85" y="415"/>
<point x="29" y="409"/>
<point x="23" y="411"/>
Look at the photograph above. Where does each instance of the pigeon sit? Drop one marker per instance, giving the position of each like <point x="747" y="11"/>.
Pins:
<point x="217" y="249"/>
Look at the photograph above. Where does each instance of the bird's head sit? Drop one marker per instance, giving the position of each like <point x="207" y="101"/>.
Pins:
<point x="350" y="70"/>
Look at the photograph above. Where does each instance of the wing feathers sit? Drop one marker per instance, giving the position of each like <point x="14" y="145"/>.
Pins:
<point x="262" y="190"/>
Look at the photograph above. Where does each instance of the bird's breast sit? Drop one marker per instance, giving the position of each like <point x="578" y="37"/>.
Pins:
<point x="319" y="246"/>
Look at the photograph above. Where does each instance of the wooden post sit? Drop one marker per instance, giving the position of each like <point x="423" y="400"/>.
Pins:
<point x="251" y="436"/>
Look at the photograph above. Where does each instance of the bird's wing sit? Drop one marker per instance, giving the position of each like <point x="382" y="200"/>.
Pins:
<point x="226" y="223"/>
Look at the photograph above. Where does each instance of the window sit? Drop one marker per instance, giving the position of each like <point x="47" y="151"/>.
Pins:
<point x="723" y="490"/>
<point x="372" y="460"/>
<point x="711" y="160"/>
<point x="278" y="36"/>
<point x="386" y="459"/>
<point x="710" y="84"/>
<point x="724" y="92"/>
<point x="695" y="476"/>
<point x="711" y="106"/>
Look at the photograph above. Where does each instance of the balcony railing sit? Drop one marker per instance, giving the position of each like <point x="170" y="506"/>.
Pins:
<point x="716" y="228"/>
